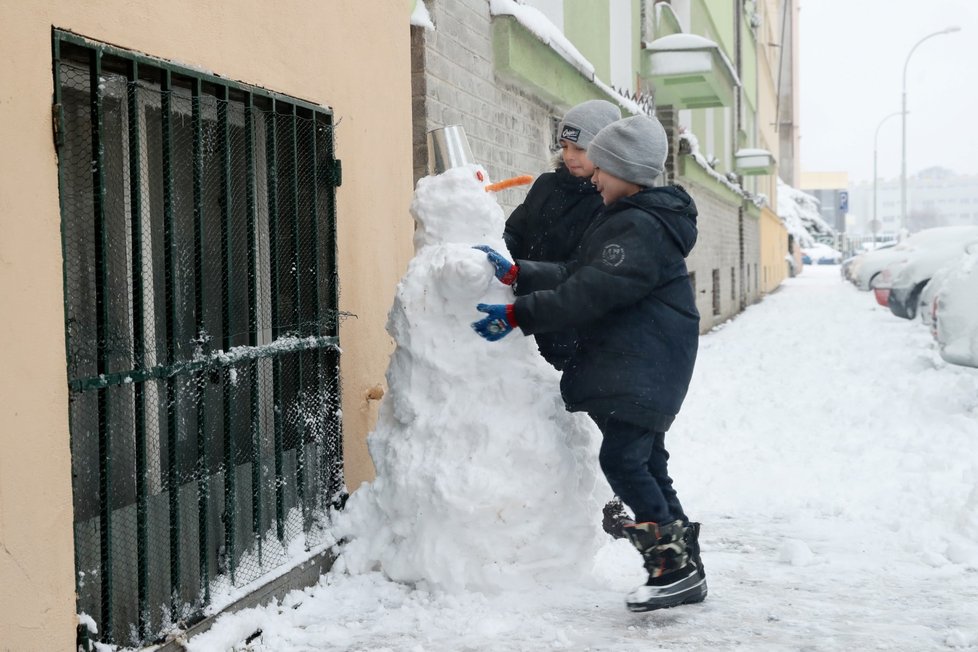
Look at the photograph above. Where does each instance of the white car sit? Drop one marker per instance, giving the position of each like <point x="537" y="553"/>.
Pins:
<point x="956" y="313"/>
<point x="863" y="271"/>
<point x="903" y="281"/>
<point x="929" y="294"/>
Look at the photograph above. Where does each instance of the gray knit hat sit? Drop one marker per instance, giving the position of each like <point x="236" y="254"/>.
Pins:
<point x="633" y="149"/>
<point x="586" y="119"/>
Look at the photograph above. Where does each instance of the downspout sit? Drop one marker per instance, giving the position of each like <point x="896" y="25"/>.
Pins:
<point x="738" y="121"/>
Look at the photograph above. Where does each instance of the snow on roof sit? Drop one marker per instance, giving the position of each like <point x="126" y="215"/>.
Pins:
<point x="534" y="20"/>
<point x="540" y="26"/>
<point x="681" y="42"/>
<point x="693" y="43"/>
<point x="752" y="151"/>
<point x="694" y="150"/>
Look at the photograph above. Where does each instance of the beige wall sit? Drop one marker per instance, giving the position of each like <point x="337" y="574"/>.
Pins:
<point x="774" y="247"/>
<point x="352" y="55"/>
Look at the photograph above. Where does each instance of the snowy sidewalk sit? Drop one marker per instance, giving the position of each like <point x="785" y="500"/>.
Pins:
<point x="832" y="457"/>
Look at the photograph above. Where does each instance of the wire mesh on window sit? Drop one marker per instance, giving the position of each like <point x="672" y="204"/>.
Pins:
<point x="200" y="281"/>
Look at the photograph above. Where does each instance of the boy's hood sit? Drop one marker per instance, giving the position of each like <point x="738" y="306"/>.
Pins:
<point x="674" y="209"/>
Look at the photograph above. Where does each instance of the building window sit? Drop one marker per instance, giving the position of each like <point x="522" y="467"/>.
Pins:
<point x="692" y="283"/>
<point x="716" y="292"/>
<point x="733" y="284"/>
<point x="198" y="220"/>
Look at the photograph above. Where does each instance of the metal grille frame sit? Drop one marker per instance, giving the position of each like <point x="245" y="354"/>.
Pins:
<point x="202" y="323"/>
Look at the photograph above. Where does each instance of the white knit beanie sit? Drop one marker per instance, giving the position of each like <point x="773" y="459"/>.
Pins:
<point x="586" y="119"/>
<point x="633" y="149"/>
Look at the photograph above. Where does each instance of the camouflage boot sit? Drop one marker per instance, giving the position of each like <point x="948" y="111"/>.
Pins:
<point x="674" y="576"/>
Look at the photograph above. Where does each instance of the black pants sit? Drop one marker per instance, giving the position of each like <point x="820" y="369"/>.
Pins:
<point x="634" y="460"/>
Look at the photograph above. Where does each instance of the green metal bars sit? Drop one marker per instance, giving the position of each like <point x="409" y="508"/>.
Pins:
<point x="198" y="221"/>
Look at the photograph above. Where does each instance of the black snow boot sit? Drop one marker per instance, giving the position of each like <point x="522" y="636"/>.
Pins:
<point x="675" y="578"/>
<point x="692" y="536"/>
<point x="615" y="518"/>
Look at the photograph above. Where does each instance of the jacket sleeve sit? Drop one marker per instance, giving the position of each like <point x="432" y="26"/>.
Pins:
<point x="621" y="265"/>
<point x="538" y="275"/>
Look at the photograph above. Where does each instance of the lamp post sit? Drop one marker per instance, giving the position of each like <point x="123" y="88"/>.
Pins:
<point x="874" y="224"/>
<point x="903" y="156"/>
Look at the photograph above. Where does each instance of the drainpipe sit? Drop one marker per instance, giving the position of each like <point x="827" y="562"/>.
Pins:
<point x="738" y="123"/>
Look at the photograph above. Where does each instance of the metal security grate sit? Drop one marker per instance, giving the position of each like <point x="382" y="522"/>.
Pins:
<point x="198" y="223"/>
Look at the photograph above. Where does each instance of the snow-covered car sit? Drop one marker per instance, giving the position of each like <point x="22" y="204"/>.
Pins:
<point x="928" y="295"/>
<point x="871" y="264"/>
<point x="851" y="265"/>
<point x="821" y="254"/>
<point x="956" y="312"/>
<point x="903" y="281"/>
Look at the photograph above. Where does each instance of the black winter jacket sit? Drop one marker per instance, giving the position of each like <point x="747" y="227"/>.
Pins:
<point x="629" y="296"/>
<point x="548" y="227"/>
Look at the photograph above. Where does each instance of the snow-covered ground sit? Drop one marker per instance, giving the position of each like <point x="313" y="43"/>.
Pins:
<point x="832" y="457"/>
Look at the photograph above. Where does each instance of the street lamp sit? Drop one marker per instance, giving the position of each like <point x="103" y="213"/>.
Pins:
<point x="903" y="157"/>
<point x="874" y="225"/>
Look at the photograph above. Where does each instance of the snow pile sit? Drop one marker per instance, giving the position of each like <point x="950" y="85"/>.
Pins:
<point x="420" y="16"/>
<point x="957" y="312"/>
<point x="834" y="470"/>
<point x="799" y="211"/>
<point x="484" y="481"/>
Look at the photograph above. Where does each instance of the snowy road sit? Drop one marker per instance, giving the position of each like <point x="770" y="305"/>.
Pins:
<point x="833" y="460"/>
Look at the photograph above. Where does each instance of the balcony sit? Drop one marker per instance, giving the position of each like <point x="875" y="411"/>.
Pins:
<point x="754" y="162"/>
<point x="689" y="71"/>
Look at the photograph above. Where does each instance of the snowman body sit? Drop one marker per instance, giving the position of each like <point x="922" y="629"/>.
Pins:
<point x="484" y="481"/>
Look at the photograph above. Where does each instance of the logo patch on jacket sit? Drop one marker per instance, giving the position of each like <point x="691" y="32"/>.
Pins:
<point x="613" y="255"/>
<point x="570" y="133"/>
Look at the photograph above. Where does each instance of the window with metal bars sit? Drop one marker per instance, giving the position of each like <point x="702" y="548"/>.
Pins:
<point x="198" y="221"/>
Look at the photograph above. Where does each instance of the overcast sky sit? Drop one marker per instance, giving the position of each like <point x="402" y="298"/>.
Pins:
<point x="851" y="69"/>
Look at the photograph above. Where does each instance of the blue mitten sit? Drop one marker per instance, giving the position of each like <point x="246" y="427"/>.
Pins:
<point x="498" y="324"/>
<point x="505" y="271"/>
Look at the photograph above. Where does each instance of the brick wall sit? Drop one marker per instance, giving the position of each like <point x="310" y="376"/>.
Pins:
<point x="508" y="130"/>
<point x="718" y="248"/>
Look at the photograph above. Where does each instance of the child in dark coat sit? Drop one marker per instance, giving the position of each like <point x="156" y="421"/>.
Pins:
<point x="559" y="207"/>
<point x="628" y="295"/>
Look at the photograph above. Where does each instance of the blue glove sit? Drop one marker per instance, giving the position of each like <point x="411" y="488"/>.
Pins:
<point x="505" y="271"/>
<point x="498" y="324"/>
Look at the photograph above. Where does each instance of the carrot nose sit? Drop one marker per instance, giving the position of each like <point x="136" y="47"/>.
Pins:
<point x="521" y="180"/>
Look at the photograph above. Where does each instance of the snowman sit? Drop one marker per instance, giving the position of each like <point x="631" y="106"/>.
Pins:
<point x="484" y="481"/>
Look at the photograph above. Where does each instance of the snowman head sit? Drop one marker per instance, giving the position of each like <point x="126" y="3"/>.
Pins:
<point x="454" y="207"/>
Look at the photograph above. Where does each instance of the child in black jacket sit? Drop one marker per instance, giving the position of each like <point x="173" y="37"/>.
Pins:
<point x="559" y="207"/>
<point x="627" y="294"/>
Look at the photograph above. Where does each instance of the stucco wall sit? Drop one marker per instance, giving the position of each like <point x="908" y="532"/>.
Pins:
<point x="352" y="55"/>
<point x="774" y="247"/>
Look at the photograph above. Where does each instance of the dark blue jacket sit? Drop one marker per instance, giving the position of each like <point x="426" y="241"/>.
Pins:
<point x="548" y="227"/>
<point x="629" y="297"/>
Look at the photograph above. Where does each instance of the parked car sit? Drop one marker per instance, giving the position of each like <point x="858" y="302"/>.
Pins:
<point x="929" y="294"/>
<point x="851" y="265"/>
<point x="956" y="312"/>
<point x="822" y="254"/>
<point x="873" y="263"/>
<point x="903" y="281"/>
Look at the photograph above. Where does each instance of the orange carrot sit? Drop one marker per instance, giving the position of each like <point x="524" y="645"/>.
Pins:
<point x="509" y="183"/>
